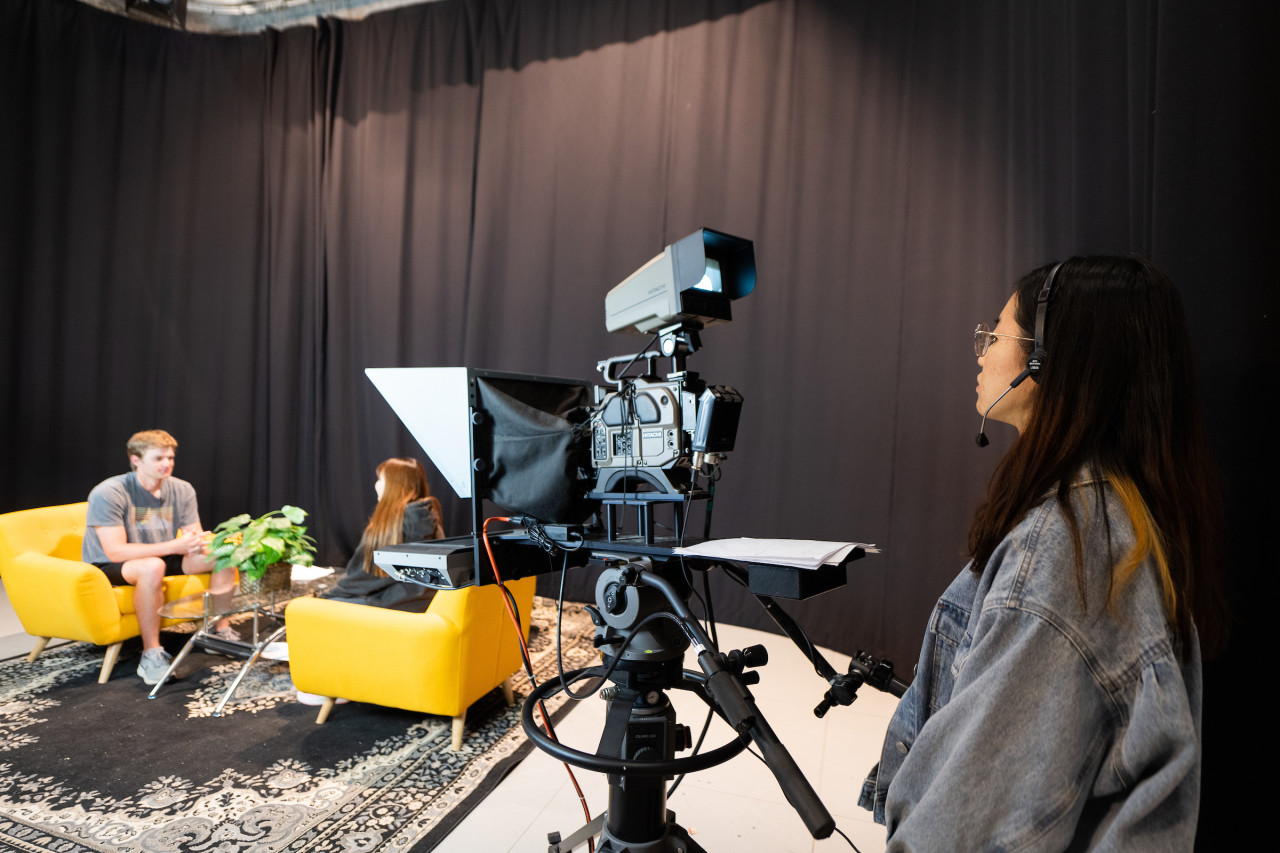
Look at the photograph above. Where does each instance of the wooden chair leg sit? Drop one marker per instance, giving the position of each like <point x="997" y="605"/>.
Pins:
<point x="325" y="709"/>
<point x="109" y="662"/>
<point x="41" y="642"/>
<point x="459" y="723"/>
<point x="508" y="692"/>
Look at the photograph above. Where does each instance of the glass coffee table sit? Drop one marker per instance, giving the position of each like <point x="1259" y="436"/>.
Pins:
<point x="267" y="610"/>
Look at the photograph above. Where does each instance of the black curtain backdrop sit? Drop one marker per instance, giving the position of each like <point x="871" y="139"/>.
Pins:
<point x="216" y="235"/>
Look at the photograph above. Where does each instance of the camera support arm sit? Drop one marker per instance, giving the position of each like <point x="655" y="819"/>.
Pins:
<point x="740" y="711"/>
<point x="863" y="669"/>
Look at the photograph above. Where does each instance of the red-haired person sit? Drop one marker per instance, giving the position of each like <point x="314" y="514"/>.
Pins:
<point x="406" y="512"/>
<point x="1057" y="701"/>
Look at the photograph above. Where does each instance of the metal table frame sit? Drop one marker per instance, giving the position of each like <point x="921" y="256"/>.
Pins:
<point x="211" y="612"/>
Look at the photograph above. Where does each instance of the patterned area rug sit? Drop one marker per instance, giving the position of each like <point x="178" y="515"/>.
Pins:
<point x="90" y="767"/>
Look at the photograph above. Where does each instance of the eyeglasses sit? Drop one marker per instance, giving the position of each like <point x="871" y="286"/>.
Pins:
<point x="983" y="338"/>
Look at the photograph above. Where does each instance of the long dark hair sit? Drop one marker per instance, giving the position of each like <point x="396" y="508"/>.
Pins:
<point x="1117" y="396"/>
<point x="403" y="482"/>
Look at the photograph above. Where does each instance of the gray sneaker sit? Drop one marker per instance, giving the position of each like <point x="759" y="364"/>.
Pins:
<point x="154" y="664"/>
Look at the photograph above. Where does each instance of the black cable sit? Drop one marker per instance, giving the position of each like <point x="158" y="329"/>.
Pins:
<point x="514" y="613"/>
<point x="515" y="608"/>
<point x="617" y="658"/>
<point x="688" y="504"/>
<point x="687" y="573"/>
<point x="633" y="429"/>
<point x="538" y="536"/>
<point x="709" y="627"/>
<point x="711" y="504"/>
<point x="847" y="839"/>
<point x="524" y="656"/>
<point x="626" y="391"/>
<point x="590" y="691"/>
<point x="642" y="352"/>
<point x="706" y="726"/>
<point x="604" y="402"/>
<point x="708" y="616"/>
<point x="564" y="572"/>
<point x="709" y="610"/>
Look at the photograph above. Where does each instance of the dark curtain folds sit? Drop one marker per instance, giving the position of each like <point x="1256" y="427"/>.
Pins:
<point x="216" y="235"/>
<point x="286" y="436"/>
<point x="398" y="198"/>
<point x="133" y="251"/>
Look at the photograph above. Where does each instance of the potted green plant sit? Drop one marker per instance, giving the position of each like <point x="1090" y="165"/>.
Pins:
<point x="265" y="547"/>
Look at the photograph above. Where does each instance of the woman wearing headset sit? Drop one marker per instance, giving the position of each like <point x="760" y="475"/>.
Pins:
<point x="1056" y="703"/>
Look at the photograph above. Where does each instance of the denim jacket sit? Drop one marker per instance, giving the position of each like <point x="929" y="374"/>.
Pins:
<point x="1041" y="720"/>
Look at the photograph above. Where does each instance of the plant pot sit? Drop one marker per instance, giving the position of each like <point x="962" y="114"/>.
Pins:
<point x="276" y="578"/>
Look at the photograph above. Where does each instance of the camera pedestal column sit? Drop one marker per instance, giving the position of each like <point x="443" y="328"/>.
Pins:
<point x="637" y="819"/>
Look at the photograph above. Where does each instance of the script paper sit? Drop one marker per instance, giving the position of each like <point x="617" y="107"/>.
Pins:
<point x="796" y="553"/>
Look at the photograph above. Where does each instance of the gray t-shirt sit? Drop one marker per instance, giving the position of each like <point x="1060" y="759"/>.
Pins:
<point x="122" y="502"/>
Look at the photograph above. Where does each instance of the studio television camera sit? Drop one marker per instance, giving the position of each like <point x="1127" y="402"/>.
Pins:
<point x="582" y="471"/>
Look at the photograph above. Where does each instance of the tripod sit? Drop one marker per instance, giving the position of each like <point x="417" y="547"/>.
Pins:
<point x="644" y="627"/>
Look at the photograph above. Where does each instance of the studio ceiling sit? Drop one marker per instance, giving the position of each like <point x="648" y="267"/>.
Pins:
<point x="243" y="16"/>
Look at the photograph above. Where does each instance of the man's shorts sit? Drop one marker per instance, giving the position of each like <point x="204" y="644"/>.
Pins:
<point x="172" y="566"/>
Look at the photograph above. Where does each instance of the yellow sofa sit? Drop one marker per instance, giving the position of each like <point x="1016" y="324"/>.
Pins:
<point x="438" y="662"/>
<point x="56" y="595"/>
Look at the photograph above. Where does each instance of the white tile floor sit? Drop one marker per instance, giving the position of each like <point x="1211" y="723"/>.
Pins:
<point x="734" y="807"/>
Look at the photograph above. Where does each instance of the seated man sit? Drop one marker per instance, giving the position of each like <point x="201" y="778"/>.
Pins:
<point x="142" y="526"/>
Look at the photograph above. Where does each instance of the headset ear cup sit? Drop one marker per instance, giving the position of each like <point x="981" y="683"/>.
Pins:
<point x="1035" y="364"/>
<point x="1035" y="361"/>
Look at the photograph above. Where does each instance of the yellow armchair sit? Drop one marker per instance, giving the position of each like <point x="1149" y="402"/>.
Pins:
<point x="56" y="595"/>
<point x="438" y="662"/>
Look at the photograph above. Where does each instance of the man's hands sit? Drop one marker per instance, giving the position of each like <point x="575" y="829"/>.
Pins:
<point x="192" y="541"/>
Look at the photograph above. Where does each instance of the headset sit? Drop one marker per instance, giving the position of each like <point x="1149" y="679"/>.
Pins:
<point x="1035" y="361"/>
